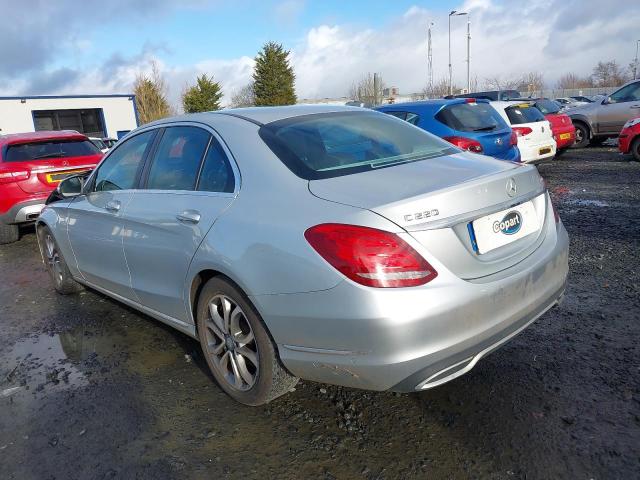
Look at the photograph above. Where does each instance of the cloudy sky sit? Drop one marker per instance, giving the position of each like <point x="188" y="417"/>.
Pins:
<point x="73" y="47"/>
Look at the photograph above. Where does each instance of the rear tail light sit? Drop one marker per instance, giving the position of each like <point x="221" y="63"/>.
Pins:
<point x="465" y="144"/>
<point x="370" y="257"/>
<point x="522" y="131"/>
<point x="10" y="177"/>
<point x="513" y="141"/>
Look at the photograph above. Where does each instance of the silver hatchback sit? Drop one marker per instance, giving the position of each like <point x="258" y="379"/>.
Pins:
<point x="334" y="244"/>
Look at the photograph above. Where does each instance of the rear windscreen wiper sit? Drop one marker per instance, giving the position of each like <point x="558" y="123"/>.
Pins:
<point x="48" y="155"/>
<point x="485" y="129"/>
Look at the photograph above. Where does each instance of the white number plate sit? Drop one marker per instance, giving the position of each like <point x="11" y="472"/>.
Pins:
<point x="501" y="228"/>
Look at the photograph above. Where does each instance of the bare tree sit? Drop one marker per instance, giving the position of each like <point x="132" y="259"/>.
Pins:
<point x="502" y="83"/>
<point x="364" y="90"/>
<point x="440" y="89"/>
<point x="151" y="96"/>
<point x="531" y="82"/>
<point x="573" y="81"/>
<point x="609" y="74"/>
<point x="245" y="97"/>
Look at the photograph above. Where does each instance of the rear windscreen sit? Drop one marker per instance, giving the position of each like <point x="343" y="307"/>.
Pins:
<point x="523" y="114"/>
<point x="49" y="149"/>
<point x="334" y="144"/>
<point x="548" y="106"/>
<point x="471" y="117"/>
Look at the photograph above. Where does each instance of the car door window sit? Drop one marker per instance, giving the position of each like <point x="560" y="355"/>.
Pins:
<point x="119" y="171"/>
<point x="630" y="93"/>
<point x="216" y="174"/>
<point x="177" y="161"/>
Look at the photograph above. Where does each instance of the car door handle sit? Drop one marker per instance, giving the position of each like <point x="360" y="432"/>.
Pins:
<point x="189" y="216"/>
<point x="112" y="206"/>
<point x="635" y="106"/>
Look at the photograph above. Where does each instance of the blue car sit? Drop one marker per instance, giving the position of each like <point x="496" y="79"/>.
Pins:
<point x="470" y="124"/>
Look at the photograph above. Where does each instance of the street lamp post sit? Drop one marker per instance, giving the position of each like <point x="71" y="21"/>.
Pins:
<point x="469" y="54"/>
<point x="453" y="13"/>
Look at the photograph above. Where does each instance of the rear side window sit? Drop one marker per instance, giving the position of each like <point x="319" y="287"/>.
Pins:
<point x="523" y="114"/>
<point x="412" y="118"/>
<point x="335" y="144"/>
<point x="471" y="117"/>
<point x="119" y="171"/>
<point x="50" y="149"/>
<point x="216" y="174"/>
<point x="177" y="161"/>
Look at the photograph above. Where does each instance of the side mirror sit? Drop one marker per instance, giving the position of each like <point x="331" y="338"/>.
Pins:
<point x="71" y="186"/>
<point x="68" y="188"/>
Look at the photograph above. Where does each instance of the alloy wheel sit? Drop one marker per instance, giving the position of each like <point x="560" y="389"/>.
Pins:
<point x="231" y="344"/>
<point x="53" y="259"/>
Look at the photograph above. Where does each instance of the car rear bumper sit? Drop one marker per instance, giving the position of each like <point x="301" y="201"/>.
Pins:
<point x="558" y="133"/>
<point x="413" y="338"/>
<point x="531" y="153"/>
<point x="23" y="212"/>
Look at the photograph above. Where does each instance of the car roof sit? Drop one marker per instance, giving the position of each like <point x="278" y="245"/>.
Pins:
<point x="43" y="135"/>
<point x="262" y="115"/>
<point x="436" y="103"/>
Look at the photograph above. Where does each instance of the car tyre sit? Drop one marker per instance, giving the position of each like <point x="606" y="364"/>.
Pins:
<point x="582" y="135"/>
<point x="561" y="152"/>
<point x="9" y="233"/>
<point x="237" y="347"/>
<point x="598" y="141"/>
<point x="635" y="149"/>
<point x="55" y="263"/>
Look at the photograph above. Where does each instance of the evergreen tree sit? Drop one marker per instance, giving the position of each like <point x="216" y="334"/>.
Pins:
<point x="204" y="96"/>
<point x="273" y="77"/>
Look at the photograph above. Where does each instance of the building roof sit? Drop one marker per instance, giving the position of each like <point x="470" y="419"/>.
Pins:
<point x="53" y="97"/>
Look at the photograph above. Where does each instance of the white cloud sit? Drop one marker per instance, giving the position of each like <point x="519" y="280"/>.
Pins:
<point x="548" y="36"/>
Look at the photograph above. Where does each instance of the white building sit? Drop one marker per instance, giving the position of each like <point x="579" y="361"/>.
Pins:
<point x="94" y="115"/>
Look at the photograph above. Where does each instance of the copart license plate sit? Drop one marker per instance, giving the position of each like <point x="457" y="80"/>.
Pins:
<point x="501" y="228"/>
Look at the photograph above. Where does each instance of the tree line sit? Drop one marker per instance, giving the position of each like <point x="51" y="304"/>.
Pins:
<point x="273" y="83"/>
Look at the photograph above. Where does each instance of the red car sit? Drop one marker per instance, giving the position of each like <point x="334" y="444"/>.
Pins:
<point x="629" y="139"/>
<point x="31" y="165"/>
<point x="564" y="133"/>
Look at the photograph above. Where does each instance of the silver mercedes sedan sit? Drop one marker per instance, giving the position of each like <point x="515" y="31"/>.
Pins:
<point x="333" y="244"/>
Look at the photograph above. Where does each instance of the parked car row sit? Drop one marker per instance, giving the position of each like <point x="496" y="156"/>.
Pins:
<point x="543" y="128"/>
<point x="507" y="130"/>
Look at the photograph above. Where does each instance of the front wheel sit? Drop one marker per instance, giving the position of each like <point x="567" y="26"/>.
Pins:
<point x="237" y="347"/>
<point x="55" y="263"/>
<point x="582" y="136"/>
<point x="635" y="149"/>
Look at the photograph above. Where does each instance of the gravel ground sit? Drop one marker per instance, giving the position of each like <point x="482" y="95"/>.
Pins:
<point x="92" y="389"/>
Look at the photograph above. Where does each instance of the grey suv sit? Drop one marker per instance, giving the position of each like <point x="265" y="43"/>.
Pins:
<point x="604" y="118"/>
